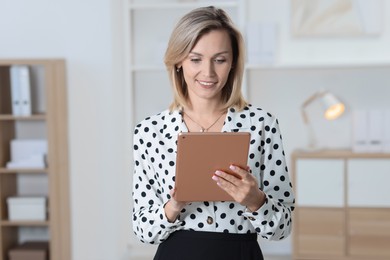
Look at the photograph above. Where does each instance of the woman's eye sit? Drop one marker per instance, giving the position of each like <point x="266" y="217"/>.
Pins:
<point x="219" y="61"/>
<point x="195" y="60"/>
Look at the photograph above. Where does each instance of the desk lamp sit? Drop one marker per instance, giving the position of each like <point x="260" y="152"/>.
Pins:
<point x="332" y="107"/>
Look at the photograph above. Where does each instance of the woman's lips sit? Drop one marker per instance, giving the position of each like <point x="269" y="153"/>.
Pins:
<point x="206" y="84"/>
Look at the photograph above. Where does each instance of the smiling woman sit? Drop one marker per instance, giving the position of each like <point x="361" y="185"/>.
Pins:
<point x="205" y="59"/>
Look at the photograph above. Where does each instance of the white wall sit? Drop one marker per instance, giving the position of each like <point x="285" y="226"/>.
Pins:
<point x="85" y="33"/>
<point x="88" y="35"/>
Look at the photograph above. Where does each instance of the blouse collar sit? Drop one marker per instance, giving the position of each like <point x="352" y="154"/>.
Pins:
<point x="235" y="121"/>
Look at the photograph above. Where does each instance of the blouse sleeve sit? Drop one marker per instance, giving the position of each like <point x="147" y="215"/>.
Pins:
<point x="273" y="220"/>
<point x="150" y="223"/>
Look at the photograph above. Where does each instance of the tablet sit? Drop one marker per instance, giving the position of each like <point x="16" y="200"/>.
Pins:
<point x="199" y="155"/>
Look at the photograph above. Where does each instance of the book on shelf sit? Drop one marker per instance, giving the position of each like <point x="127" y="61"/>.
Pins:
<point x="20" y="90"/>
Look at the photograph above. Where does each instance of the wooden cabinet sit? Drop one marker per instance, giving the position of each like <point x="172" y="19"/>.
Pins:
<point x="48" y="121"/>
<point x="343" y="205"/>
<point x="321" y="232"/>
<point x="369" y="232"/>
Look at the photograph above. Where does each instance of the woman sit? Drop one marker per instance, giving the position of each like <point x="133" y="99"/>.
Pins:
<point x="205" y="60"/>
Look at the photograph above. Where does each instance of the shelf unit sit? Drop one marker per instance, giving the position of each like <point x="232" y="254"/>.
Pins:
<point x="50" y="83"/>
<point x="343" y="205"/>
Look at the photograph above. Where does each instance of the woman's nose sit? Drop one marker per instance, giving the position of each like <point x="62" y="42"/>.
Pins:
<point x="208" y="69"/>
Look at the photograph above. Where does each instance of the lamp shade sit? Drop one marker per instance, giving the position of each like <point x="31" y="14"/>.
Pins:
<point x="333" y="106"/>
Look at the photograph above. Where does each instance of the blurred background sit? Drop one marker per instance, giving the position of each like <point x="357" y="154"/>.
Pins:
<point x="296" y="49"/>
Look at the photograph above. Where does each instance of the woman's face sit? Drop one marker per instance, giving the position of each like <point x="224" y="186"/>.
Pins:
<point x="206" y="68"/>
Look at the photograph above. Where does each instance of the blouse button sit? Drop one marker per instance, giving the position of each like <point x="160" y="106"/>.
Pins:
<point x="251" y="218"/>
<point x="210" y="220"/>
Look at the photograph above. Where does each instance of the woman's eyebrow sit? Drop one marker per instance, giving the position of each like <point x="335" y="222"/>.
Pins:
<point x="219" y="53"/>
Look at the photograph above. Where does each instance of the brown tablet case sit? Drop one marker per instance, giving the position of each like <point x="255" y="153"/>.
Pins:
<point x="199" y="155"/>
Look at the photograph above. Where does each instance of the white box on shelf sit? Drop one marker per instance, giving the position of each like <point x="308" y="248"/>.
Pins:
<point x="28" y="153"/>
<point x="26" y="208"/>
<point x="34" y="161"/>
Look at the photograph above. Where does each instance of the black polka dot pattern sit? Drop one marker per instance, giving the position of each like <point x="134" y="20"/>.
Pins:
<point x="154" y="147"/>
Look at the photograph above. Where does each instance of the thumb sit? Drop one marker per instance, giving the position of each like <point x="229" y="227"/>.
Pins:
<point x="172" y="192"/>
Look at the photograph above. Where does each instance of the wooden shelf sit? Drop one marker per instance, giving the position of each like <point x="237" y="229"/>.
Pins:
<point x="12" y="223"/>
<point x="24" y="170"/>
<point x="39" y="117"/>
<point x="37" y="62"/>
<point x="50" y="93"/>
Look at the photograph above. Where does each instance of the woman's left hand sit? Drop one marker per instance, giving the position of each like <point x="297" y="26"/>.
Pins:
<point x="244" y="190"/>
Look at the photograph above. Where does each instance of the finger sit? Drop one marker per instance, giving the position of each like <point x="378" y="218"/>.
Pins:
<point x="228" y="177"/>
<point x="172" y="192"/>
<point x="239" y="171"/>
<point x="225" y="185"/>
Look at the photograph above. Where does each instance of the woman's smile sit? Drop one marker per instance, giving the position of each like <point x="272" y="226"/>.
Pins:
<point x="206" y="84"/>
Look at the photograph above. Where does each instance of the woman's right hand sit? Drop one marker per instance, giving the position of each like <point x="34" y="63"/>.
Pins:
<point x="173" y="207"/>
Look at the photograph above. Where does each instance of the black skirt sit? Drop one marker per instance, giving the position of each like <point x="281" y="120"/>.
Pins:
<point x="196" y="245"/>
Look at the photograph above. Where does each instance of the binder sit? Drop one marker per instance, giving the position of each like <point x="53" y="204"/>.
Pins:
<point x="15" y="91"/>
<point x="20" y="90"/>
<point x="25" y="92"/>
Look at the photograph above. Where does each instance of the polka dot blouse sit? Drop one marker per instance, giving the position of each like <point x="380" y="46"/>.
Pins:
<point x="154" y="176"/>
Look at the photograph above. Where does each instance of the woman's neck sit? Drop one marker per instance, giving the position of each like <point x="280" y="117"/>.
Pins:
<point x="205" y="109"/>
<point x="204" y="117"/>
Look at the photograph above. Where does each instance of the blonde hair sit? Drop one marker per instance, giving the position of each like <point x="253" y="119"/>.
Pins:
<point x="184" y="37"/>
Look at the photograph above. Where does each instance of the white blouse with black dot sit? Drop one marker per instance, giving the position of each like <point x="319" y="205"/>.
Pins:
<point x="154" y="176"/>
